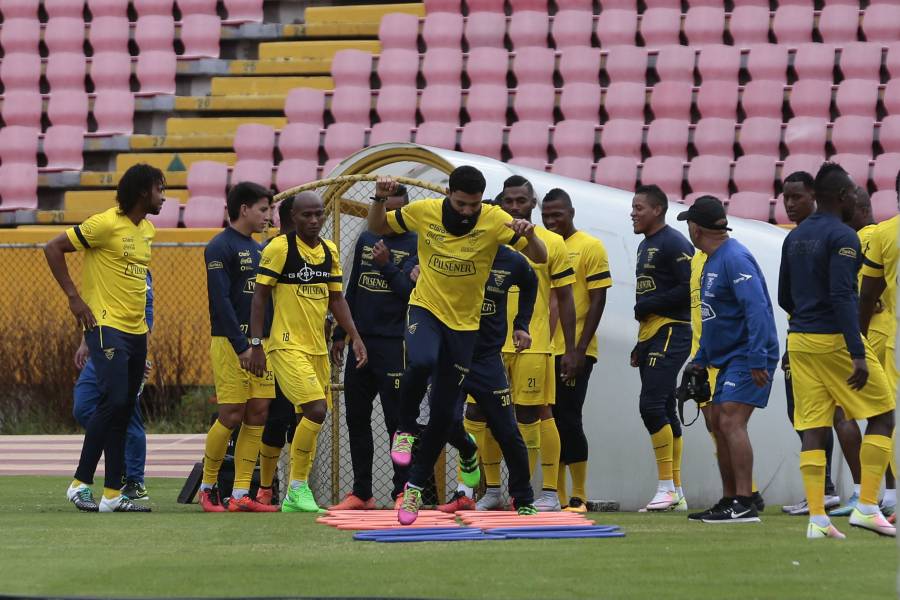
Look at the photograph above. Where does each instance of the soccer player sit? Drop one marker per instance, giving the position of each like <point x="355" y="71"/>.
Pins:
<point x="662" y="309"/>
<point x="87" y="395"/>
<point x="592" y="278"/>
<point x="377" y="293"/>
<point x="116" y="243"/>
<point x="831" y="362"/>
<point x="740" y="340"/>
<point x="458" y="239"/>
<point x="232" y="258"/>
<point x="301" y="273"/>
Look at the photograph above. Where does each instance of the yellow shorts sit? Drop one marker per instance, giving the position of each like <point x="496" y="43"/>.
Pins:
<point x="879" y="343"/>
<point x="532" y="378"/>
<point x="302" y="377"/>
<point x="820" y="366"/>
<point x="234" y="385"/>
<point x="713" y="373"/>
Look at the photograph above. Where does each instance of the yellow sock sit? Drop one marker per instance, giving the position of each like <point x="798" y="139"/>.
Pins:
<point x="561" y="485"/>
<point x="490" y="459"/>
<point x="268" y="464"/>
<point x="216" y="444"/>
<point x="110" y="493"/>
<point x="303" y="449"/>
<point x="246" y="451"/>
<point x="579" y="479"/>
<point x="812" y="468"/>
<point x="531" y="434"/>
<point x="477" y="430"/>
<point x="753" y="487"/>
<point x="76" y="483"/>
<point x="550" y="448"/>
<point x="662" y="442"/>
<point x="874" y="455"/>
<point x="677" y="447"/>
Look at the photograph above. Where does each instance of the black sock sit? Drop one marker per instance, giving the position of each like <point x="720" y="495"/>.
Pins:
<point x="745" y="501"/>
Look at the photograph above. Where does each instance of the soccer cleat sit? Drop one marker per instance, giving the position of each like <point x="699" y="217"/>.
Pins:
<point x="248" y="504"/>
<point x="82" y="497"/>
<point x="576" y="505"/>
<point x="527" y="511"/>
<point x="398" y="501"/>
<point x="209" y="500"/>
<point x="720" y="505"/>
<point x="352" y="502"/>
<point x="892" y="519"/>
<point x="548" y="501"/>
<point x="832" y="501"/>
<point x="468" y="468"/>
<point x="733" y="513"/>
<point x="459" y="501"/>
<point x="681" y="505"/>
<point x="844" y="511"/>
<point x="491" y="500"/>
<point x="887" y="511"/>
<point x="264" y="495"/>
<point x="874" y="522"/>
<point x="412" y="502"/>
<point x="814" y="532"/>
<point x="121" y="504"/>
<point x="300" y="499"/>
<point x="790" y="508"/>
<point x="663" y="500"/>
<point x="401" y="448"/>
<point x="758" y="502"/>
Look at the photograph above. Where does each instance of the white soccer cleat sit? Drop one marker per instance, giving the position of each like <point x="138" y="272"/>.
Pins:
<point x="814" y="532"/>
<point x="492" y="500"/>
<point x="874" y="522"/>
<point x="663" y="500"/>
<point x="832" y="501"/>
<point x="548" y="501"/>
<point x="681" y="505"/>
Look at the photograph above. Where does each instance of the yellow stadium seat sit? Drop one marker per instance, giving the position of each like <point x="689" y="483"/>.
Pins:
<point x="314" y="50"/>
<point x="347" y="21"/>
<point x="281" y="66"/>
<point x="230" y="103"/>
<point x="94" y="201"/>
<point x="109" y="179"/>
<point x="179" y="161"/>
<point x="265" y="86"/>
<point x="217" y="126"/>
<point x="179" y="142"/>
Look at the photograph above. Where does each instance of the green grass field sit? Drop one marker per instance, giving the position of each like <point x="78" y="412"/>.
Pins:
<point x="48" y="548"/>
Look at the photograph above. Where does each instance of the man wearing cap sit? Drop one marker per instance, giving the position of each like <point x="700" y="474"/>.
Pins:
<point x="740" y="340"/>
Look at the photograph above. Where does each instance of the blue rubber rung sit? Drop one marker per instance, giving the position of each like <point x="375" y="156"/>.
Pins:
<point x="562" y="535"/>
<point x="552" y="528"/>
<point x="435" y="537"/>
<point x="374" y="533"/>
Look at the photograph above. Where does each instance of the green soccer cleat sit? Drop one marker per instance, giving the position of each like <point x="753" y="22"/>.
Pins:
<point x="469" y="471"/>
<point x="300" y="499"/>
<point x="409" y="509"/>
<point x="527" y="510"/>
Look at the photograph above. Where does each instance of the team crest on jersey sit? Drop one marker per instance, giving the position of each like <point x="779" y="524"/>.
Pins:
<point x="412" y="328"/>
<point x="499" y="277"/>
<point x="848" y="252"/>
<point x="110" y="353"/>
<point x="706" y="312"/>
<point x="645" y="284"/>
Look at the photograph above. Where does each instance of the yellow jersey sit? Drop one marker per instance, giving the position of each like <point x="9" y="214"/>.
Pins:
<point x="303" y="278"/>
<point x="114" y="278"/>
<point x="880" y="260"/>
<point x="453" y="269"/>
<point x="554" y="273"/>
<point x="697" y="263"/>
<point x="588" y="257"/>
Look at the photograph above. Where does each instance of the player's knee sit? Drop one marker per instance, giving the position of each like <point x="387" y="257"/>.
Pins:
<point x="315" y="411"/>
<point x="231" y="415"/>
<point x="527" y="414"/>
<point x="882" y="424"/>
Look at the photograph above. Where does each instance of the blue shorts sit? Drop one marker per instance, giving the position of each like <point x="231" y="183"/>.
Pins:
<point x="486" y="381"/>
<point x="735" y="384"/>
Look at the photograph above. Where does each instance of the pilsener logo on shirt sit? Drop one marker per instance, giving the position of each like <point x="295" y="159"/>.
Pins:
<point x="373" y="281"/>
<point x="451" y="267"/>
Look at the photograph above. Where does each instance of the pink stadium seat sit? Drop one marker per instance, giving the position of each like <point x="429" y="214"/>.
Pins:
<point x="888" y="134"/>
<point x="892" y="97"/>
<point x="703" y="25"/>
<point x="624" y="100"/>
<point x="305" y="105"/>
<point x="779" y="213"/>
<point x="802" y="162"/>
<point x="487" y="65"/>
<point x="676" y="63"/>
<point x="839" y="23"/>
<point x="22" y="107"/>
<point x="343" y="139"/>
<point x="155" y="32"/>
<point x="749" y="25"/>
<point x="793" y="24"/>
<point x="660" y="27"/>
<point x="398" y="66"/>
<point x="63" y="146"/>
<point x="108" y="8"/>
<point x="18" y="186"/>
<point x="607" y="4"/>
<point x="68" y="107"/>
<point x="397" y="103"/>
<point x="447" y="6"/>
<point x="351" y="68"/>
<point x="25" y="9"/>
<point x="390" y="131"/>
<point x="622" y="137"/>
<point x="441" y="103"/>
<point x="437" y="134"/>
<point x="754" y="173"/>
<point x="714" y="137"/>
<point x="857" y="165"/>
<point x="666" y="172"/>
<point x="351" y="104"/>
<point x="719" y="63"/>
<point x="197" y="7"/>
<point x="114" y="112"/>
<point x="18" y="145"/>
<point x="65" y="34"/>
<point x="168" y="216"/>
<point x="65" y="71"/>
<point x="109" y="34"/>
<point x="244" y="11"/>
<point x="718" y="99"/>
<point x="529" y="28"/>
<point x="763" y="98"/>
<point x="534" y="65"/>
<point x="253" y="141"/>
<point x="529" y="162"/>
<point x="299" y="141"/>
<point x="64" y="8"/>
<point x="531" y="5"/>
<point x="805" y="135"/>
<point x="529" y="139"/>
<point x="815" y="61"/>
<point x="200" y="35"/>
<point x="534" y="102"/>
<point x="884" y="205"/>
<point x="111" y="71"/>
<point x="20" y="35"/>
<point x="626" y="63"/>
<point x="617" y="27"/>
<point x="482" y="137"/>
<point x="582" y="101"/>
<point x="768" y="62"/>
<point x="398" y="31"/>
<point x="485" y="29"/>
<point x="852" y="134"/>
<point x="668" y="137"/>
<point x="709" y="175"/>
<point x="881" y="23"/>
<point x="861" y="61"/>
<point x="892" y="62"/>
<point x="487" y="103"/>
<point x="257" y="171"/>
<point x="616" y="171"/>
<point x="20" y="71"/>
<point x="153" y="7"/>
<point x="857" y="97"/>
<point x="884" y="173"/>
<point x="484" y="6"/>
<point x="760" y="135"/>
<point x="156" y="72"/>
<point x="671" y="100"/>
<point x="662" y="3"/>
<point x="442" y="30"/>
<point x="572" y="28"/>
<point x="574" y="138"/>
<point x="204" y="211"/>
<point x="811" y="98"/>
<point x="295" y="171"/>
<point x="750" y="205"/>
<point x="574" y="167"/>
<point x="580" y="64"/>
<point x="442" y="66"/>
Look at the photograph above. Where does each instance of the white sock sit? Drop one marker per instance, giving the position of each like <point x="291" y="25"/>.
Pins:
<point x="867" y="509"/>
<point x="667" y="485"/>
<point x="205" y="487"/>
<point x="492" y="491"/>
<point x="820" y="520"/>
<point x="856" y="489"/>
<point x="890" y="497"/>
<point x="238" y="493"/>
<point x="295" y="483"/>
<point x="679" y="491"/>
<point x="469" y="492"/>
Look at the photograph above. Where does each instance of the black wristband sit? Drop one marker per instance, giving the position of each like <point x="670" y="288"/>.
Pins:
<point x="378" y="198"/>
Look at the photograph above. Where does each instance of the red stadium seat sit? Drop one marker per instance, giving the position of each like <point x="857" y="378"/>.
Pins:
<point x="528" y="28"/>
<point x="888" y="134"/>
<point x="861" y="61"/>
<point x="22" y="107"/>
<point x="156" y="72"/>
<point x="204" y="211"/>
<point x="351" y="104"/>
<point x="534" y="65"/>
<point x="390" y="131"/>
<point x="718" y="99"/>
<point x="168" y="216"/>
<point x="534" y="102"/>
<point x="793" y="24"/>
<point x="155" y="32"/>
<point x="815" y="61"/>
<point x="343" y="139"/>
<point x="839" y="23"/>
<point x="666" y="172"/>
<point x="853" y="135"/>
<point x="884" y="205"/>
<point x="442" y="66"/>
<point x="668" y="137"/>
<point x="68" y="107"/>
<point x="487" y="65"/>
<point x="351" y="68"/>
<point x="109" y="34"/>
<point x="881" y="23"/>
<point x="760" y="135"/>
<point x="626" y="63"/>
<point x="750" y="205"/>
<point x="200" y="36"/>
<point x="884" y="173"/>
<point x="714" y="137"/>
<point x="20" y="71"/>
<point x="65" y="34"/>
<point x="305" y="105"/>
<point x="763" y="98"/>
<point x="671" y="100"/>
<point x="482" y="137"/>
<point x="616" y="171"/>
<point x="299" y="141"/>
<point x="244" y="11"/>
<point x="755" y="173"/>
<point x="574" y="167"/>
<point x="295" y="171"/>
<point x="660" y="27"/>
<point x="749" y="25"/>
<point x="114" y="112"/>
<point x="18" y="186"/>
<point x="574" y="138"/>
<point x="529" y="140"/>
<point x="397" y="103"/>
<point x="441" y="103"/>
<point x="487" y="103"/>
<point x="811" y="98"/>
<point x="437" y="134"/>
<point x="572" y="28"/>
<point x="18" y="145"/>
<point x="65" y="71"/>
<point x="768" y="62"/>
<point x="676" y="63"/>
<point x="617" y="27"/>
<point x="398" y="66"/>
<point x="709" y="175"/>
<point x="111" y="71"/>
<point x="580" y="64"/>
<point x="20" y="35"/>
<point x="857" y="97"/>
<point x="443" y="30"/>
<point x="856" y="165"/>
<point x="622" y="137"/>
<point x="398" y="31"/>
<point x="805" y="135"/>
<point x="485" y="29"/>
<point x="581" y="101"/>
<point x="624" y="100"/>
<point x="704" y="25"/>
<point x="719" y="63"/>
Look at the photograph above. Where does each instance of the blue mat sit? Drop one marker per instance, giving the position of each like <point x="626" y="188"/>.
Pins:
<point x="469" y="534"/>
<point x="377" y="533"/>
<point x="437" y="537"/>
<point x="552" y="529"/>
<point x="563" y="535"/>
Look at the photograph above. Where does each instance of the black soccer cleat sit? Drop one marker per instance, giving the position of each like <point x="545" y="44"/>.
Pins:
<point x="758" y="502"/>
<point x="121" y="504"/>
<point x="83" y="498"/>
<point x="135" y="490"/>
<point x="733" y="513"/>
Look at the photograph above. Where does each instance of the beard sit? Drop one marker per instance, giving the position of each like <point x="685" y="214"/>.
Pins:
<point x="455" y="223"/>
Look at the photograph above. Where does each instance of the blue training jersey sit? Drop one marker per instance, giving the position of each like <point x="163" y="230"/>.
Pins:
<point x="509" y="268"/>
<point x="820" y="261"/>
<point x="664" y="276"/>
<point x="736" y="310"/>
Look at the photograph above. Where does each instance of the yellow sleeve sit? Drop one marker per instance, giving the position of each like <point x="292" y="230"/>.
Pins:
<point x="503" y="234"/>
<point x="561" y="271"/>
<point x="93" y="232"/>
<point x="409" y="217"/>
<point x="336" y="281"/>
<point x="596" y="264"/>
<point x="272" y="260"/>
<point x="873" y="257"/>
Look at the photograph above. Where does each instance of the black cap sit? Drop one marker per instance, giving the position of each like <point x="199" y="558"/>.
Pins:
<point x="706" y="212"/>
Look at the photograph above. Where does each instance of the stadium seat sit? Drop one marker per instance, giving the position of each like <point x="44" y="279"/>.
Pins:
<point x="528" y="28"/>
<point x="861" y="61"/>
<point x="343" y="139"/>
<point x="351" y="104"/>
<point x="352" y="68"/>
<point x="885" y="171"/>
<point x="676" y="63"/>
<point x="572" y="28"/>
<point x="299" y="141"/>
<point x="18" y="145"/>
<point x="805" y="135"/>
<point x="709" y="175"/>
<point x="65" y="71"/>
<point x="718" y="99"/>
<point x="671" y="100"/>
<point x="168" y="216"/>
<point x="114" y="112"/>
<point x="68" y="107"/>
<point x="532" y="5"/>
<point x="779" y="213"/>
<point x="153" y="7"/>
<point x="839" y="23"/>
<point x="253" y="141"/>
<point x="437" y="134"/>
<point x="754" y="173"/>
<point x="714" y="137"/>
<point x="441" y="103"/>
<point x="881" y="23"/>
<point x="760" y="135"/>
<point x="447" y="6"/>
<point x="20" y="71"/>
<point x="107" y="8"/>
<point x="763" y="98"/>
<point x="888" y="134"/>
<point x="244" y="11"/>
<point x="856" y="165"/>
<point x="64" y="34"/>
<point x="891" y="97"/>
<point x="109" y="34"/>
<point x="768" y="61"/>
<point x="23" y="108"/>
<point x="814" y="61"/>
<point x="802" y="162"/>
<point x="666" y="172"/>
<point x="484" y="7"/>
<point x="793" y="24"/>
<point x="204" y="211"/>
<point x="626" y="63"/>
<point x="25" y="9"/>
<point x="482" y="137"/>
<point x="622" y="137"/>
<point x="574" y="138"/>
<point x="256" y="171"/>
<point x="668" y="137"/>
<point x="155" y="32"/>
<point x="397" y="103"/>
<point x="616" y="171"/>
<point x="534" y="102"/>
<point x="442" y="66"/>
<point x="390" y="131"/>
<point x="852" y="134"/>
<point x="20" y="35"/>
<point x="156" y="72"/>
<point x="892" y="62"/>
<point x="617" y="27"/>
<point x="857" y="97"/>
<point x="750" y="205"/>
<point x="487" y="65"/>
<point x="662" y="3"/>
<point x="624" y="100"/>
<point x="398" y="31"/>
<point x="295" y="171"/>
<point x="200" y="36"/>
<point x="398" y="66"/>
<point x="719" y="63"/>
<point x="582" y="101"/>
<point x="580" y="64"/>
<point x="529" y="140"/>
<point x="884" y="205"/>
<point x="18" y="186"/>
<point x="534" y="65"/>
<point x="660" y="27"/>
<point x="111" y="71"/>
<point x="305" y="105"/>
<point x="811" y="98"/>
<point x="704" y="25"/>
<point x="487" y="103"/>
<point x="749" y="26"/>
<point x="485" y="29"/>
<point x="197" y="7"/>
<point x="442" y="30"/>
<point x="572" y="166"/>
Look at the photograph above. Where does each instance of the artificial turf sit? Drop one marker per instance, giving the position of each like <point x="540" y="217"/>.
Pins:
<point x="47" y="548"/>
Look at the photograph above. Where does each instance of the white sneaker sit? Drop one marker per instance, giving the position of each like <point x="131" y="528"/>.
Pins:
<point x="832" y="501"/>
<point x="492" y="500"/>
<point x="663" y="500"/>
<point x="121" y="504"/>
<point x="787" y="508"/>
<point x="681" y="505"/>
<point x="814" y="532"/>
<point x="548" y="501"/>
<point x="799" y="509"/>
<point x="874" y="522"/>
